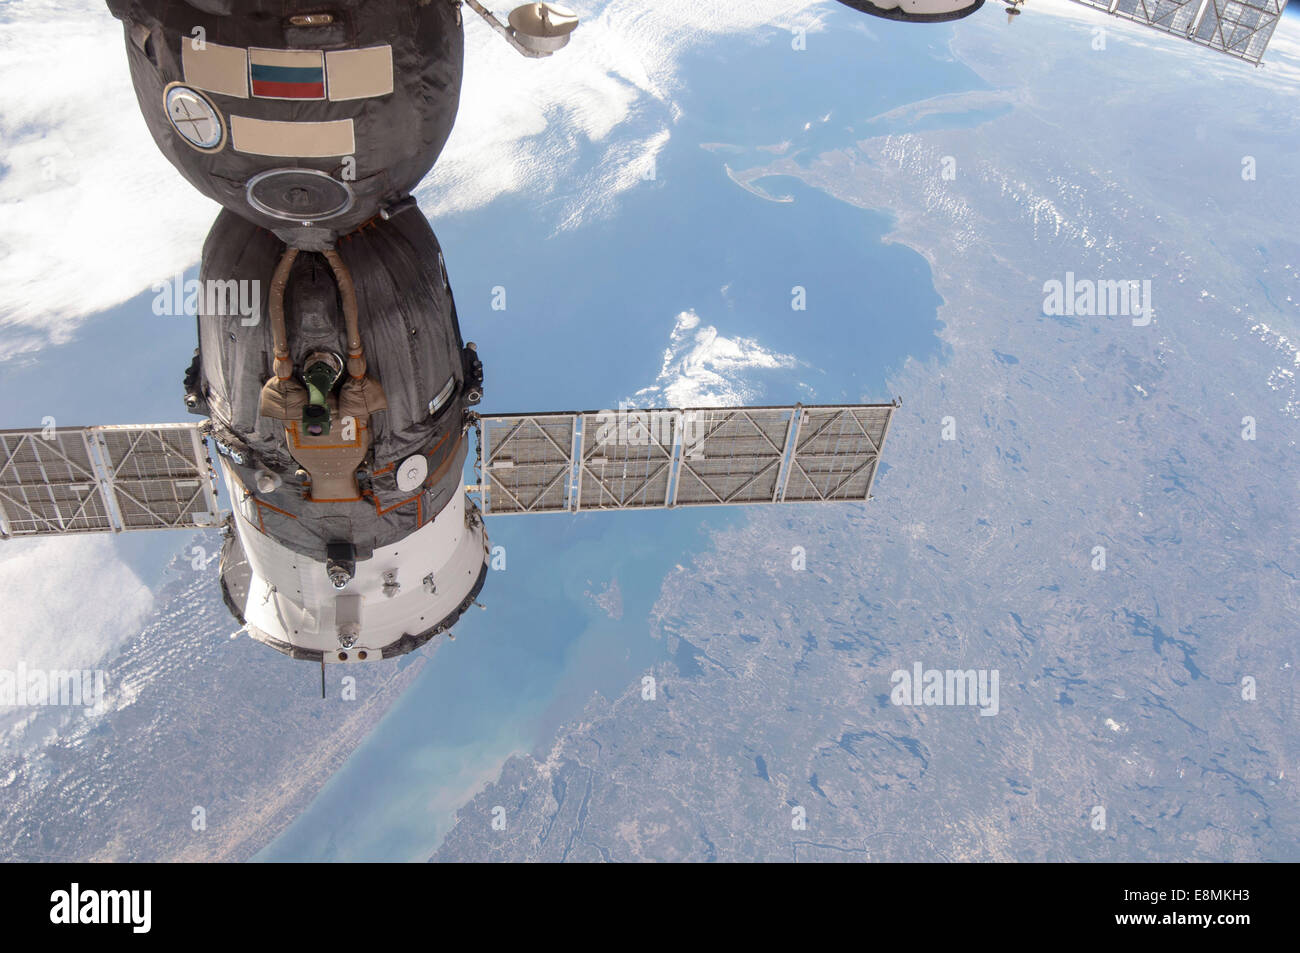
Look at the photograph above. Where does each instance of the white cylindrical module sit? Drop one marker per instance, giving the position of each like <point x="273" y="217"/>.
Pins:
<point x="395" y="601"/>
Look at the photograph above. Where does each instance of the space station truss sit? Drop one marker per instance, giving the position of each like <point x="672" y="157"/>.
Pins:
<point x="1240" y="28"/>
<point x="67" y="480"/>
<point x="655" y="458"/>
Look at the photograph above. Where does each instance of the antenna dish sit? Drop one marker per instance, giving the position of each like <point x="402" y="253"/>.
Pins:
<point x="542" y="27"/>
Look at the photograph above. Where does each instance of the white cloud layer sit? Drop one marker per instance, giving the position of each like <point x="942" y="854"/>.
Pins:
<point x="67" y="603"/>
<point x="94" y="214"/>
<point x="522" y="121"/>
<point x="702" y="368"/>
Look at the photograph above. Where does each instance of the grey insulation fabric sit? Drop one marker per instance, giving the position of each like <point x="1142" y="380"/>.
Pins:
<point x="412" y="344"/>
<point x="398" y="136"/>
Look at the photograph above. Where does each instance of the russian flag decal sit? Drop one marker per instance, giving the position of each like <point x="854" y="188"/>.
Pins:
<point x="286" y="74"/>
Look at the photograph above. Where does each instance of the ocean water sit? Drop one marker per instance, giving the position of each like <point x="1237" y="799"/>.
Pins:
<point x="588" y="315"/>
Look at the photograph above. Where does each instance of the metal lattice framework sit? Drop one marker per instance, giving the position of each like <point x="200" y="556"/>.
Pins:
<point x="835" y="453"/>
<point x="1240" y="28"/>
<point x="632" y="466"/>
<point x="69" y="480"/>
<point x="529" y="461"/>
<point x="704" y="456"/>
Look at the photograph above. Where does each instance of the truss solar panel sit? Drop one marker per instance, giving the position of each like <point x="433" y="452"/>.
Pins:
<point x="627" y="459"/>
<point x="528" y="460"/>
<point x="835" y="453"/>
<point x="49" y="486"/>
<point x="709" y="456"/>
<point x="158" y="475"/>
<point x="736" y="455"/>
<point x="104" y="479"/>
<point x="1240" y="28"/>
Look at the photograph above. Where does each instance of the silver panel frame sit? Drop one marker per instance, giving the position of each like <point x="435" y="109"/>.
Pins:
<point x="106" y="479"/>
<point x="658" y="471"/>
<point x="860" y="458"/>
<point x="1240" y="28"/>
<point x="660" y="459"/>
<point x="495" y="455"/>
<point x="776" y="458"/>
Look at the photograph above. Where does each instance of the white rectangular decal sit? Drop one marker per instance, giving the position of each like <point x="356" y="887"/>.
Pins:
<point x="359" y="74"/>
<point x="215" y="68"/>
<point x="300" y="140"/>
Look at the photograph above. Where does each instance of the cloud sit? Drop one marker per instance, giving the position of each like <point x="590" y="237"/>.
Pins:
<point x="702" y="368"/>
<point x="81" y="179"/>
<point x="67" y="603"/>
<point x="94" y="214"/>
<point x="523" y="123"/>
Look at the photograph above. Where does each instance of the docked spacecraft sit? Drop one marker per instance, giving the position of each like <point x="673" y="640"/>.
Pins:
<point x="338" y="409"/>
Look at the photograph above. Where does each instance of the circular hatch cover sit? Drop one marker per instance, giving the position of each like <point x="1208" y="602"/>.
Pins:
<point x="298" y="195"/>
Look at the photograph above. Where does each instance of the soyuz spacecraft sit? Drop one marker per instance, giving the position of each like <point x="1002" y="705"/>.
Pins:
<point x="337" y="406"/>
